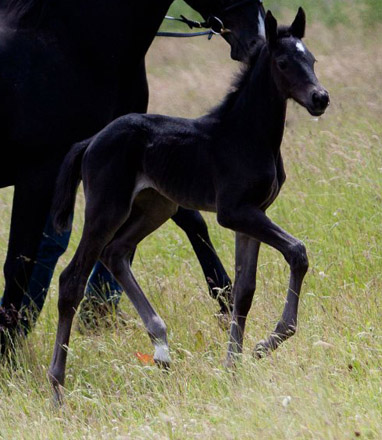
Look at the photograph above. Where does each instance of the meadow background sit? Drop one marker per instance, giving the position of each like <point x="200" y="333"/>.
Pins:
<point x="324" y="383"/>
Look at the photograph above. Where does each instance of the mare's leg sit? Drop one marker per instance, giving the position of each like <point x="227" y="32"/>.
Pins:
<point x="149" y="211"/>
<point x="30" y="262"/>
<point x="51" y="247"/>
<point x="218" y="281"/>
<point x="102" y="287"/>
<point x="254" y="222"/>
<point x="246" y="256"/>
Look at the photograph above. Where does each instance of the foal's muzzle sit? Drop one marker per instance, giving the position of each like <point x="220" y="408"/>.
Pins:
<point x="319" y="101"/>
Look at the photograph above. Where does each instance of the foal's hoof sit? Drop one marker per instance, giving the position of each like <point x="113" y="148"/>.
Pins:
<point x="261" y="350"/>
<point x="58" y="394"/>
<point x="162" y="357"/>
<point x="58" y="398"/>
<point x="229" y="364"/>
<point x="224" y="320"/>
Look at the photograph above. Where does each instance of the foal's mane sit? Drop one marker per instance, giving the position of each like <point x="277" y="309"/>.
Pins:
<point x="24" y="13"/>
<point x="254" y="66"/>
<point x="259" y="55"/>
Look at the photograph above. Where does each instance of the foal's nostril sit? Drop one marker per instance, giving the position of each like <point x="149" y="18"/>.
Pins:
<point x="325" y="99"/>
<point x="316" y="98"/>
<point x="320" y="99"/>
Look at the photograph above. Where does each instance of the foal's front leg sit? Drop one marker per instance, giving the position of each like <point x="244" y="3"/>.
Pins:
<point x="254" y="222"/>
<point x="246" y="256"/>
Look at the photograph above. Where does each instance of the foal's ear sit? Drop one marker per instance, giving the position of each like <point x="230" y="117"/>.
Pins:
<point x="297" y="28"/>
<point x="271" y="29"/>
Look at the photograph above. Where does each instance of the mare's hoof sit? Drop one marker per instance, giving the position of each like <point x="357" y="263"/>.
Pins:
<point x="9" y="320"/>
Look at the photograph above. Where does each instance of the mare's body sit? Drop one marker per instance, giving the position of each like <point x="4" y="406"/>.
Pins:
<point x="67" y="68"/>
<point x="228" y="161"/>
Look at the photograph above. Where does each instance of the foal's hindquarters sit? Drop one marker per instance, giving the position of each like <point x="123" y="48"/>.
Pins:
<point x="119" y="213"/>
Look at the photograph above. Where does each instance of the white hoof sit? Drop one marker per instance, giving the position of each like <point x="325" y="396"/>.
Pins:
<point x="162" y="355"/>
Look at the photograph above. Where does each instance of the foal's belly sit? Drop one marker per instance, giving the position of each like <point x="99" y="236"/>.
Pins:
<point x="191" y="196"/>
<point x="182" y="175"/>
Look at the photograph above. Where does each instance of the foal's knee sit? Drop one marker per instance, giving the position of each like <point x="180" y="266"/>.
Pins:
<point x="298" y="258"/>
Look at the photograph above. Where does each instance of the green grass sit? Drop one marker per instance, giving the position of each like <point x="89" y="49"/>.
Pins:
<point x="324" y="383"/>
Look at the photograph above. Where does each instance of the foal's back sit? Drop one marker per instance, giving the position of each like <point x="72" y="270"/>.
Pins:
<point x="171" y="155"/>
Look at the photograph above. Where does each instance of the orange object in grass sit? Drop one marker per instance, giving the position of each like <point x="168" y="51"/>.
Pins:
<point x="146" y="359"/>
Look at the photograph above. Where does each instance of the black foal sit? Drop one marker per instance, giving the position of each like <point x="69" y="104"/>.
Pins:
<point x="140" y="168"/>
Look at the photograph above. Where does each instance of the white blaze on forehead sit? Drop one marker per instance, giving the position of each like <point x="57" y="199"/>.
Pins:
<point x="300" y="47"/>
<point x="261" y="24"/>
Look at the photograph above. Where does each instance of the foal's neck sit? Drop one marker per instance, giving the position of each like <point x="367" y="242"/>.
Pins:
<point x="256" y="109"/>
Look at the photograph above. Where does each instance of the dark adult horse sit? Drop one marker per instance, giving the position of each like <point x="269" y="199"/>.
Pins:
<point x="67" y="68"/>
<point x="151" y="164"/>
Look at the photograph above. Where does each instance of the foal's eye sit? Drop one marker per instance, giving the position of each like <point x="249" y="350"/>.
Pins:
<point x="283" y="64"/>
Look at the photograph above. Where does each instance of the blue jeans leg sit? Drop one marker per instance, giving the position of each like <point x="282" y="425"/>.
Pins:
<point x="102" y="286"/>
<point x="52" y="246"/>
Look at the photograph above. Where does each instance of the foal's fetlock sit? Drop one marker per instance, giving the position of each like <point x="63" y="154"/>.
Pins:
<point x="265" y="347"/>
<point x="262" y="349"/>
<point x="58" y="395"/>
<point x="283" y="332"/>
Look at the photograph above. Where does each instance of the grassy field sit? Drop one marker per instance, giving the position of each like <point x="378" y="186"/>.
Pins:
<point x="326" y="382"/>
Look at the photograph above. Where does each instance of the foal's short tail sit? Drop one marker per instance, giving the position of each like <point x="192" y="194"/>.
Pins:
<point x="67" y="184"/>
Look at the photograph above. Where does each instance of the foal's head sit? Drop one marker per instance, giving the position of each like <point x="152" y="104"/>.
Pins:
<point x="292" y="65"/>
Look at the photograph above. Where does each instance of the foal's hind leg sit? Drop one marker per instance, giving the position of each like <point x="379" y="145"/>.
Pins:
<point x="72" y="285"/>
<point x="100" y="227"/>
<point x="246" y="256"/>
<point x="150" y="210"/>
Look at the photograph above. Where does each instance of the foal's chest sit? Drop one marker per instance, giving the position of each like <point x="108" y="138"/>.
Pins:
<point x="259" y="181"/>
